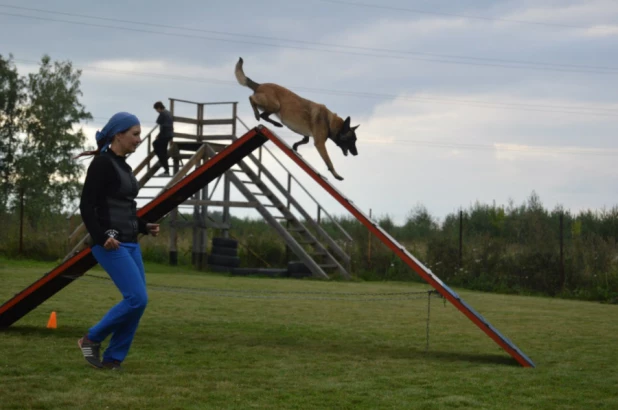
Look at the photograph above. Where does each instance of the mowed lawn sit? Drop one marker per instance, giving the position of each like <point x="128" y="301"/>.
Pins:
<point x="285" y="344"/>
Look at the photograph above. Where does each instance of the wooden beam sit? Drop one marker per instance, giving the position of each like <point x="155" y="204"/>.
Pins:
<point x="217" y="121"/>
<point x="207" y="224"/>
<point x="186" y="168"/>
<point x="142" y="164"/>
<point x="203" y="103"/>
<point x="205" y="138"/>
<point x="235" y="204"/>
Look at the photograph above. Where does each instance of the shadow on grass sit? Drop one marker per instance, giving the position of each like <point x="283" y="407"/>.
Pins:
<point x="64" y="331"/>
<point x="469" y="357"/>
<point x="343" y="347"/>
<point x="291" y="343"/>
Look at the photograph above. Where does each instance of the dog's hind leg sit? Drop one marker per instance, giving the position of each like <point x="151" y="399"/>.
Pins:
<point x="264" y="115"/>
<point x="301" y="142"/>
<point x="255" y="108"/>
<point x="267" y="105"/>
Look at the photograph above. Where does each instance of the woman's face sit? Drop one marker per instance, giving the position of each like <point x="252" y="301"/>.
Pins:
<point x="127" y="142"/>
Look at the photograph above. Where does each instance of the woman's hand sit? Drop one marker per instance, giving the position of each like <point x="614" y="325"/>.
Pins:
<point x="111" y="243"/>
<point x="153" y="229"/>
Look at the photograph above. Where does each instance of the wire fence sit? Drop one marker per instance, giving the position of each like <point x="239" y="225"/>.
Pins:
<point x="268" y="294"/>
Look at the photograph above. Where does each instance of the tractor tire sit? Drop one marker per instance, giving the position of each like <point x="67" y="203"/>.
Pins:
<point x="218" y="250"/>
<point x="222" y="260"/>
<point x="225" y="243"/>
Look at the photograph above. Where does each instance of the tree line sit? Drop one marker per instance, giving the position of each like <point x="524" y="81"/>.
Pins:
<point x="40" y="117"/>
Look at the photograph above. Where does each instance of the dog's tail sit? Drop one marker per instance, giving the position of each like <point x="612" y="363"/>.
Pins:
<point x="242" y="78"/>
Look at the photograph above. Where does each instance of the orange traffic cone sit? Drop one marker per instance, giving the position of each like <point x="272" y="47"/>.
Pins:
<point x="51" y="323"/>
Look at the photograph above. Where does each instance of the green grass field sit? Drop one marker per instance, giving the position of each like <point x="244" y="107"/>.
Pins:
<point x="198" y="348"/>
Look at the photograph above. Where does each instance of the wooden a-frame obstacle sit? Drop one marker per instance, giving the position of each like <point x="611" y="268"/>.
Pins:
<point x="78" y="264"/>
<point x="197" y="138"/>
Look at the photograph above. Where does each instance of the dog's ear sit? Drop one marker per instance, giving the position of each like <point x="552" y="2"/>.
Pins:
<point x="346" y="124"/>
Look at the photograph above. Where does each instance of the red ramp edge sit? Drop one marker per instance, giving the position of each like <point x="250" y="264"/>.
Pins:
<point x="408" y="258"/>
<point x="62" y="275"/>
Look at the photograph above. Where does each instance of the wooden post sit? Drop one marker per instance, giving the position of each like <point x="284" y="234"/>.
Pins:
<point x="203" y="257"/>
<point x="562" y="275"/>
<point x="226" y="180"/>
<point x="460" y="238"/>
<point x="21" y="221"/>
<point x="260" y="160"/>
<point x="234" y="113"/>
<point x="173" y="244"/>
<point x="195" y="233"/>
<point x="149" y="149"/>
<point x="226" y="199"/>
<point x="369" y="243"/>
<point x="173" y="252"/>
<point x="289" y="190"/>
<point x="200" y="122"/>
<point x="205" y="195"/>
<point x="287" y="223"/>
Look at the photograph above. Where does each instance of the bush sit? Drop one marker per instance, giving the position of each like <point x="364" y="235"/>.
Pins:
<point x="512" y="249"/>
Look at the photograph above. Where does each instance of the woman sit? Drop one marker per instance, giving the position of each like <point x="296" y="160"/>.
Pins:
<point x="108" y="210"/>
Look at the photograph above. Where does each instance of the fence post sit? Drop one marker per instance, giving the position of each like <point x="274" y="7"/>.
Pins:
<point x="460" y="238"/>
<point x="21" y="220"/>
<point x="562" y="275"/>
<point x="369" y="243"/>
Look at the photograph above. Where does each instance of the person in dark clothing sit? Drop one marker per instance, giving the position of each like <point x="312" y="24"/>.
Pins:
<point x="108" y="210"/>
<point x="166" y="133"/>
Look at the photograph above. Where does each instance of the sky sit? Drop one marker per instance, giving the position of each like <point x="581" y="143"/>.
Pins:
<point x="486" y="101"/>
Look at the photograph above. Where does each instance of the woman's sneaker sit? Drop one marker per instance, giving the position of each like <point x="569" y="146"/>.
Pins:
<point x="91" y="351"/>
<point x="113" y="365"/>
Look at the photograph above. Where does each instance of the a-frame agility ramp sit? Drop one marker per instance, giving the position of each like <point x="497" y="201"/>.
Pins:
<point x="76" y="266"/>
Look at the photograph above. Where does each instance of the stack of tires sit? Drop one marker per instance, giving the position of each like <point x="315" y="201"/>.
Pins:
<point x="298" y="270"/>
<point x="224" y="255"/>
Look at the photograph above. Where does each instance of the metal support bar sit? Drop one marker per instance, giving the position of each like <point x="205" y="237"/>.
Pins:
<point x="298" y="250"/>
<point x="321" y="232"/>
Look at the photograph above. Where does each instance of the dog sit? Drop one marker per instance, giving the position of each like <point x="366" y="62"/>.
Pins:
<point x="300" y="115"/>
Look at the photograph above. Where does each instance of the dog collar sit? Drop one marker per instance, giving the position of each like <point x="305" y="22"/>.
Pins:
<point x="333" y="136"/>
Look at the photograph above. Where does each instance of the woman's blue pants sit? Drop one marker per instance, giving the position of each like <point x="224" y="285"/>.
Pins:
<point x="126" y="269"/>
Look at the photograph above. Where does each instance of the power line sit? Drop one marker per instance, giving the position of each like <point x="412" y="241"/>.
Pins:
<point x="603" y="112"/>
<point x="388" y="56"/>
<point x="601" y="152"/>
<point x="436" y="13"/>
<point x="530" y="63"/>
<point x="505" y="147"/>
<point x="105" y="119"/>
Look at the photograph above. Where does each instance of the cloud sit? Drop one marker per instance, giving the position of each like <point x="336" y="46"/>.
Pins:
<point x="603" y="30"/>
<point x="450" y="155"/>
<point x="102" y="69"/>
<point x="597" y="15"/>
<point x="499" y="117"/>
<point x="576" y="13"/>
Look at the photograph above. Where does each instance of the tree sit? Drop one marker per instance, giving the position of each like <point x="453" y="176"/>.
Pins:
<point x="12" y="97"/>
<point x="45" y="168"/>
<point x="419" y="223"/>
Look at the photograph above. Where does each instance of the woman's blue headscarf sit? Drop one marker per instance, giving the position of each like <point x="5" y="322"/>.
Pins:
<point x="119" y="122"/>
